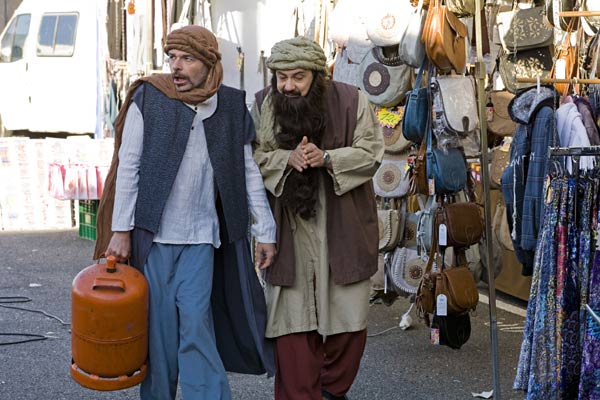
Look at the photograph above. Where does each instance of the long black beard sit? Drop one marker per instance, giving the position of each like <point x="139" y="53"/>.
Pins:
<point x="294" y="118"/>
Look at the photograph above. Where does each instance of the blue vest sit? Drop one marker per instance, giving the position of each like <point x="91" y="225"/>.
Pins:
<point x="167" y="124"/>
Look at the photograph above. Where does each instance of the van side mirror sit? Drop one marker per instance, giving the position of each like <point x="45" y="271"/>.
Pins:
<point x="17" y="53"/>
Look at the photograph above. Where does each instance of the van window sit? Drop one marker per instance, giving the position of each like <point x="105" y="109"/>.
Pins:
<point x="57" y="35"/>
<point x="11" y="45"/>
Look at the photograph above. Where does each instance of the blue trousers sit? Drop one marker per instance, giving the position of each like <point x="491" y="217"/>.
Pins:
<point x="181" y="335"/>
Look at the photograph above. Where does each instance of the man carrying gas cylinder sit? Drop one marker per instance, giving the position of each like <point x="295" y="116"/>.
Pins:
<point x="176" y="204"/>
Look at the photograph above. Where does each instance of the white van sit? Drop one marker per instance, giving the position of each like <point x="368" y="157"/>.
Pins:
<point x="49" y="68"/>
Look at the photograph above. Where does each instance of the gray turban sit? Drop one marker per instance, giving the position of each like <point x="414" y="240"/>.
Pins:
<point x="299" y="52"/>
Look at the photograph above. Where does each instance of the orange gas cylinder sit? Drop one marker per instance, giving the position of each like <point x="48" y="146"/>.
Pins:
<point x="109" y="326"/>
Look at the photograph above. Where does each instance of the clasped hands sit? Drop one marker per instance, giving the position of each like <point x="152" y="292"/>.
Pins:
<point x="306" y="155"/>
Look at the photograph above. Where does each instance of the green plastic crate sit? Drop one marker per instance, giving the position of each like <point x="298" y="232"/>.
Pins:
<point x="88" y="210"/>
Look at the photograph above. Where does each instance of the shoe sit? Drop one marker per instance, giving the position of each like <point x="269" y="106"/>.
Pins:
<point x="329" y="396"/>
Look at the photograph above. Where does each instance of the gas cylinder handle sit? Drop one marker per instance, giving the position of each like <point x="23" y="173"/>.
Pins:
<point x="111" y="264"/>
<point x="108" y="283"/>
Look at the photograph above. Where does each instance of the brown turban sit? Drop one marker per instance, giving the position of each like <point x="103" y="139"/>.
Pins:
<point x="202" y="44"/>
<point x="299" y="52"/>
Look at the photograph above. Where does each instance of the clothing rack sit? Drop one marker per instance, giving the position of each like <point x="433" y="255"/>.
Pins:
<point x="555" y="80"/>
<point x="575" y="151"/>
<point x="480" y="75"/>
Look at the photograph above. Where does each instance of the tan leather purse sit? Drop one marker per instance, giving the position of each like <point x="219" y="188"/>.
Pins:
<point x="501" y="124"/>
<point x="565" y="64"/>
<point x="418" y="171"/>
<point x="444" y="37"/>
<point x="463" y="221"/>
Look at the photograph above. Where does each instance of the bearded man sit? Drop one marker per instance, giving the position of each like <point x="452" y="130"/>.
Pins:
<point x="318" y="145"/>
<point x="176" y="203"/>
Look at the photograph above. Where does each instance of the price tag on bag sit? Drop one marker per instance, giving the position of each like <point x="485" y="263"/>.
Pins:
<point x="434" y="336"/>
<point x="441" y="305"/>
<point x="443" y="235"/>
<point x="431" y="186"/>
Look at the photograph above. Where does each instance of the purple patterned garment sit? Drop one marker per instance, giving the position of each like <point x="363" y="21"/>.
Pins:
<point x="569" y="300"/>
<point x="589" y="384"/>
<point x="536" y="366"/>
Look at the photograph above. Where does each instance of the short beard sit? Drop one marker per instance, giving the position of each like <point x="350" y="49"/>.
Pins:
<point x="294" y="118"/>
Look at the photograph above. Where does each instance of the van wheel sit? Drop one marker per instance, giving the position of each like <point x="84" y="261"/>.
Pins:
<point x="3" y="131"/>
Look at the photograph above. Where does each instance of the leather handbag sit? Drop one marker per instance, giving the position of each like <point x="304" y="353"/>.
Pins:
<point x="418" y="171"/>
<point x="522" y="29"/>
<point x="416" y="110"/>
<point x="455" y="97"/>
<point x="500" y="160"/>
<point x="444" y="37"/>
<point x="463" y="221"/>
<point x="412" y="49"/>
<point x="524" y="64"/>
<point x="565" y="61"/>
<point x="459" y="287"/>
<point x="499" y="123"/>
<point x="456" y="283"/>
<point x="384" y="80"/>
<point x="451" y="330"/>
<point x="389" y="222"/>
<point x="392" y="179"/>
<point x="500" y="229"/>
<point x="447" y="168"/>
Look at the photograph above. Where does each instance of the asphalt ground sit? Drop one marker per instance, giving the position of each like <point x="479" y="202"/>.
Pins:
<point x="397" y="364"/>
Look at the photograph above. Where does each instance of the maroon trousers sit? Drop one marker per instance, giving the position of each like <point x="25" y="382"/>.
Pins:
<point x="306" y="364"/>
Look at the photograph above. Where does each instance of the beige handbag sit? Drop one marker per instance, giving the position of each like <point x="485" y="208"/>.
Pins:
<point x="457" y="97"/>
<point x="391" y="225"/>
<point x="392" y="179"/>
<point x="390" y="120"/>
<point x="387" y="22"/>
<point x="500" y="230"/>
<point x="500" y="160"/>
<point x="383" y="80"/>
<point x="500" y="123"/>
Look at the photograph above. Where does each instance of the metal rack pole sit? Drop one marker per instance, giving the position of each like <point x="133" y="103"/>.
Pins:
<point x="481" y="75"/>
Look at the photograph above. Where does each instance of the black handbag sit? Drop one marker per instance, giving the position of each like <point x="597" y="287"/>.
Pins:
<point x="524" y="64"/>
<point x="453" y="330"/>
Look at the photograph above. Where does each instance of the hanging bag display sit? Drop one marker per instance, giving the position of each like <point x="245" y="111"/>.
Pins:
<point x="385" y="80"/>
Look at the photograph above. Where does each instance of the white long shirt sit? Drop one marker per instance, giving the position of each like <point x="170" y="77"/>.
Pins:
<point x="189" y="216"/>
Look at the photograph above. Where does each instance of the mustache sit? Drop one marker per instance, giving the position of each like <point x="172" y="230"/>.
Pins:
<point x="294" y="92"/>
